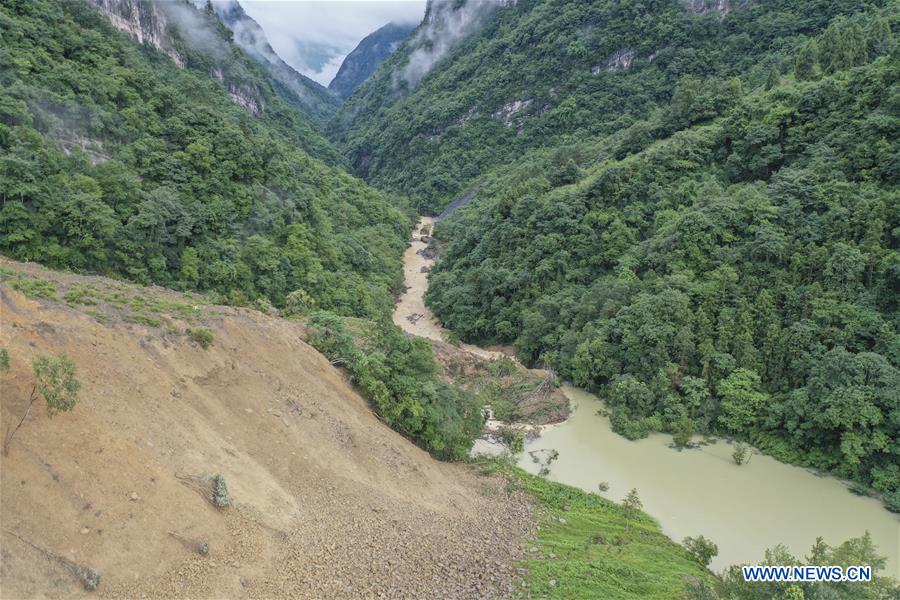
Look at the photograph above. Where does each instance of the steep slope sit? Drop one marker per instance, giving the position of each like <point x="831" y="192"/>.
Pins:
<point x="726" y="265"/>
<point x="493" y="80"/>
<point x="367" y="57"/>
<point x="298" y="89"/>
<point x="190" y="173"/>
<point x="326" y="500"/>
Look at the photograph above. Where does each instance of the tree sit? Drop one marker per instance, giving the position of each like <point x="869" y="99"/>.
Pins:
<point x="741" y="454"/>
<point x="880" y="38"/>
<point x="806" y="66"/>
<point x="684" y="431"/>
<point x="632" y="502"/>
<point x="773" y="78"/>
<point x="55" y="380"/>
<point x="742" y="402"/>
<point x="681" y="109"/>
<point x="702" y="549"/>
<point x="843" y="46"/>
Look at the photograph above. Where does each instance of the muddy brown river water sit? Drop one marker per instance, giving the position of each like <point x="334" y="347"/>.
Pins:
<point x="744" y="509"/>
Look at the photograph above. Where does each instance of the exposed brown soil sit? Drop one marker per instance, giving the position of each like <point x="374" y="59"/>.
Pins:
<point x="328" y="502"/>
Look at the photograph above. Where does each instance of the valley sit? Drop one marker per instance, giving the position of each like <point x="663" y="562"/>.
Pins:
<point x="538" y="299"/>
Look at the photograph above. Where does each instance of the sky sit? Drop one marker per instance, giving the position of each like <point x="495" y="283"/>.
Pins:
<point x="314" y="36"/>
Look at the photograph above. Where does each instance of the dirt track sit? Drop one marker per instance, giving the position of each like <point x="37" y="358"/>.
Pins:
<point x="328" y="501"/>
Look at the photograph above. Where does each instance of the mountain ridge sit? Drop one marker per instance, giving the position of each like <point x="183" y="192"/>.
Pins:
<point x="315" y="100"/>
<point x="368" y="55"/>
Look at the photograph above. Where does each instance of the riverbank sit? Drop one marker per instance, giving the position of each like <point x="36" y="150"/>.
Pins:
<point x="744" y="509"/>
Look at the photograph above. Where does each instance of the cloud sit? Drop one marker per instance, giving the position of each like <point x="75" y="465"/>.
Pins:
<point x="314" y="36"/>
<point x="446" y="25"/>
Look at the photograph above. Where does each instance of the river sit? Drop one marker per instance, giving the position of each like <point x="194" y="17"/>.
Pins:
<point x="744" y="509"/>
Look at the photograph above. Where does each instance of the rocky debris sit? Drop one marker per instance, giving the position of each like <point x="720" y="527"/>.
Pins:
<point x="428" y="253"/>
<point x="425" y="269"/>
<point x="310" y="516"/>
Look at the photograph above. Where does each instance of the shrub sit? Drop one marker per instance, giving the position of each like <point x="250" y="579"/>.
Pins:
<point x="892" y="501"/>
<point x="702" y="549"/>
<point x="4" y="359"/>
<point x="513" y="439"/>
<point x="56" y="382"/>
<point x="298" y="302"/>
<point x="741" y="454"/>
<point x="684" y="431"/>
<point x="90" y="578"/>
<point x="202" y="336"/>
<point x="502" y="367"/>
<point x="632" y="501"/>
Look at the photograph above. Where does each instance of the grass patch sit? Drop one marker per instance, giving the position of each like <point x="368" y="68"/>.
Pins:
<point x="202" y="336"/>
<point x="602" y="549"/>
<point x="81" y="294"/>
<point x="34" y="288"/>
<point x="144" y="320"/>
<point x="98" y="316"/>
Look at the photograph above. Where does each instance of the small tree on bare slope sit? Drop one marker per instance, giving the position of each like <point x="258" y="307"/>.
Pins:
<point x="55" y="381"/>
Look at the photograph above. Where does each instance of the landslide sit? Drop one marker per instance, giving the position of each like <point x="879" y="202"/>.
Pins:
<point x="327" y="501"/>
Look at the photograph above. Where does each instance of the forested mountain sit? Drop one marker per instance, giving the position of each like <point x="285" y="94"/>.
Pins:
<point x="503" y="78"/>
<point x="367" y="57"/>
<point x="691" y="208"/>
<point x="181" y="167"/>
<point x="310" y="96"/>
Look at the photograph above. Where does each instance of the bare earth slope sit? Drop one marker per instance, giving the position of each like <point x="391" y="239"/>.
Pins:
<point x="327" y="500"/>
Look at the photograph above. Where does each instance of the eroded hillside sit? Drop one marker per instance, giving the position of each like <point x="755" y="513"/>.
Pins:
<point x="326" y="500"/>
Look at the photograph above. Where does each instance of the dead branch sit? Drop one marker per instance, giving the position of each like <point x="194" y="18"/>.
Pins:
<point x="12" y="434"/>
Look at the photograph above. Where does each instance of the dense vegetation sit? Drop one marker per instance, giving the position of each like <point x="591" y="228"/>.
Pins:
<point x="115" y="160"/>
<point x="728" y="264"/>
<point x="399" y="374"/>
<point x="558" y="56"/>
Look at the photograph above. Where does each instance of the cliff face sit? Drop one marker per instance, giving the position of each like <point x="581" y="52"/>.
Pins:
<point x="177" y="29"/>
<point x="144" y="21"/>
<point x="368" y="56"/>
<point x="445" y="25"/>
<point x="313" y="98"/>
<point x="183" y="29"/>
